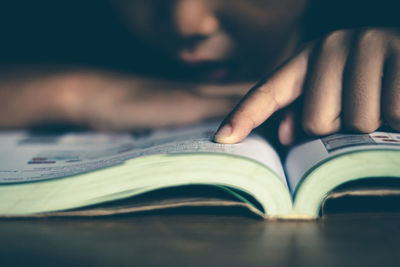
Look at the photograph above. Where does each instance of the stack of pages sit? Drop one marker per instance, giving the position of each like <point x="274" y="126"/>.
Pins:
<point x="94" y="174"/>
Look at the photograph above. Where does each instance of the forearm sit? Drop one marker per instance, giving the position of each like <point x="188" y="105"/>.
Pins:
<point x="31" y="96"/>
<point x="27" y="98"/>
<point x="108" y="100"/>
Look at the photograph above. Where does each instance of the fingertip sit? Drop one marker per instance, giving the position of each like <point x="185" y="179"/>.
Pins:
<point x="223" y="134"/>
<point x="225" y="139"/>
<point x="227" y="134"/>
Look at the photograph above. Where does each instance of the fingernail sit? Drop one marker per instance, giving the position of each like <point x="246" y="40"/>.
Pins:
<point x="223" y="133"/>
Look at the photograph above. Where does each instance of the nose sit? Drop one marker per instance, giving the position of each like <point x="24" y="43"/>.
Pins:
<point x="195" y="17"/>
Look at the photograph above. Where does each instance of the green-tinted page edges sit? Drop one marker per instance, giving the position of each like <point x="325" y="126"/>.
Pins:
<point x="144" y="174"/>
<point x="316" y="184"/>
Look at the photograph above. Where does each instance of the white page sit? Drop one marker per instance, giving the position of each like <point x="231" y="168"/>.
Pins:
<point x="25" y="157"/>
<point x="303" y="157"/>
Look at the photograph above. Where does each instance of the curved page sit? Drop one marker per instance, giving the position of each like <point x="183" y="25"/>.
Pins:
<point x="95" y="168"/>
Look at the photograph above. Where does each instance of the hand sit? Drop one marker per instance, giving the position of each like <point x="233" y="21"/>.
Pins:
<point x="350" y="79"/>
<point x="109" y="101"/>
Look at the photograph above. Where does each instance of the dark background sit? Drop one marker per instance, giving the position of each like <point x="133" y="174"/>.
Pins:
<point x="88" y="33"/>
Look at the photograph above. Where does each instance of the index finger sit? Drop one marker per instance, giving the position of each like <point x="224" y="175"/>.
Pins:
<point x="282" y="88"/>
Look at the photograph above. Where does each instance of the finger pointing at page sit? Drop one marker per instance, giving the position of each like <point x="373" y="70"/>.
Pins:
<point x="282" y="88"/>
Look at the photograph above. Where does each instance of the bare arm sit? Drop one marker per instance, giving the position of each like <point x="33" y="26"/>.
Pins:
<point x="107" y="100"/>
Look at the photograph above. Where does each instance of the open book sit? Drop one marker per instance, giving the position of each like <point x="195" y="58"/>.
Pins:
<point x="89" y="174"/>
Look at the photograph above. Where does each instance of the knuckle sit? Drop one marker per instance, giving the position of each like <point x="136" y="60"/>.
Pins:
<point x="369" y="37"/>
<point x="333" y="39"/>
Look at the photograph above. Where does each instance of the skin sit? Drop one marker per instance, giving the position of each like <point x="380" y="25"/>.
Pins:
<point x="347" y="80"/>
<point x="103" y="100"/>
<point x="209" y="38"/>
<point x="233" y="38"/>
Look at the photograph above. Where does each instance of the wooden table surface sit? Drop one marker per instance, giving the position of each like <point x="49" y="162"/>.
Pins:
<point x="202" y="239"/>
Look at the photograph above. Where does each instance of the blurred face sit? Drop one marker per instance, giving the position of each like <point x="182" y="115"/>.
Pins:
<point x="221" y="38"/>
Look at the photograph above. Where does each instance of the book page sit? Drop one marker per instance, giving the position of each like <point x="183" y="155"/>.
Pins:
<point x="303" y="157"/>
<point x="26" y="157"/>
